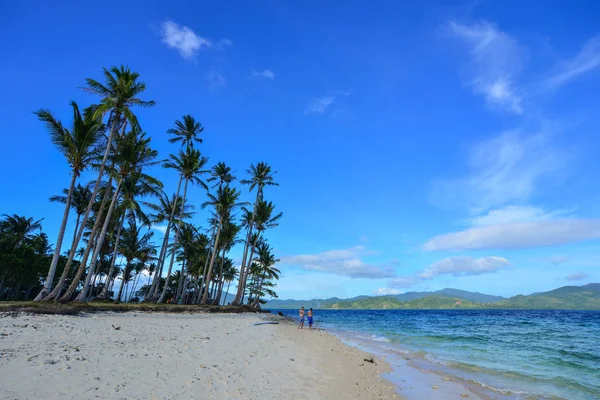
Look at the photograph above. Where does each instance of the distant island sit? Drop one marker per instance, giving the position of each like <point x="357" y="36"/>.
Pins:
<point x="585" y="297"/>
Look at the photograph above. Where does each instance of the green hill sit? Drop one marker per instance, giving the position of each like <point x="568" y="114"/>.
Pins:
<point x="585" y="297"/>
<point x="567" y="297"/>
<point x="385" y="302"/>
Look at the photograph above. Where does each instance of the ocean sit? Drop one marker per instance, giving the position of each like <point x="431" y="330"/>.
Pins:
<point x="507" y="354"/>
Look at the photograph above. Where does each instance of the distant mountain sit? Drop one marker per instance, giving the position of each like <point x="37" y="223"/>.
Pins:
<point x="314" y="303"/>
<point x="327" y="303"/>
<point x="461" y="294"/>
<point x="585" y="297"/>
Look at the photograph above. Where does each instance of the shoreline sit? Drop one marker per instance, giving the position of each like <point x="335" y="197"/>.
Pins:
<point x="413" y="381"/>
<point x="140" y="355"/>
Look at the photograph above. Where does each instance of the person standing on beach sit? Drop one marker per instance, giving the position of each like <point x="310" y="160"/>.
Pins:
<point x="301" y="313"/>
<point x="310" y="318"/>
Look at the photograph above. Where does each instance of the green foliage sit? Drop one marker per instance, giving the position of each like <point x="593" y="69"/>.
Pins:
<point x="568" y="298"/>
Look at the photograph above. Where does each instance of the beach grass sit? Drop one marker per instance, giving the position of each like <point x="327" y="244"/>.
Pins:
<point x="74" y="308"/>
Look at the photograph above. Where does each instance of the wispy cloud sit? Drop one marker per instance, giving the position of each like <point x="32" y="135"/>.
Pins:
<point x="462" y="266"/>
<point x="495" y="60"/>
<point x="344" y="262"/>
<point x="506" y="169"/>
<point x="578" y="276"/>
<point x="183" y="39"/>
<point x="320" y="104"/>
<point x="160" y="228"/>
<point x="223" y="44"/>
<point x="517" y="235"/>
<point x="215" y="79"/>
<point x="513" y="213"/>
<point x="586" y="61"/>
<point x="455" y="266"/>
<point x="264" y="74"/>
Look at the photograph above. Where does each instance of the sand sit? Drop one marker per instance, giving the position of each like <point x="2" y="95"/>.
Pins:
<point x="179" y="356"/>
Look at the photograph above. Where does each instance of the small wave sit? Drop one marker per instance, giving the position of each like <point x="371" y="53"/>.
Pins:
<point x="379" y="338"/>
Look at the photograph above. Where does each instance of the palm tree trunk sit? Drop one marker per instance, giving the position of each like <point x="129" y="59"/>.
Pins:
<point x="104" y="294"/>
<point x="203" y="283"/>
<point x="212" y="261"/>
<point x="260" y="284"/>
<point x="181" y="279"/>
<point x="125" y="273"/>
<point x="239" y="297"/>
<point x="83" y="294"/>
<point x="163" y="251"/>
<point x="135" y="282"/>
<point x="175" y="242"/>
<point x="73" y="244"/>
<point x="91" y="291"/>
<point x="227" y="292"/>
<point x="217" y="299"/>
<point x="196" y="289"/>
<point x="61" y="282"/>
<point x="2" y="281"/>
<point x="253" y="246"/>
<point x="61" y="233"/>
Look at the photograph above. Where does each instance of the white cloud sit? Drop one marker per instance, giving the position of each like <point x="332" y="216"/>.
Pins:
<point x="223" y="44"/>
<point x="587" y="60"/>
<point x="320" y="104"/>
<point x="496" y="61"/>
<point x="461" y="266"/>
<point x="403" y="282"/>
<point x="182" y="38"/>
<point x="512" y="213"/>
<point x="265" y="74"/>
<point x="160" y="228"/>
<point x="517" y="235"/>
<point x="344" y="262"/>
<point x="578" y="276"/>
<point x="215" y="79"/>
<point x="505" y="169"/>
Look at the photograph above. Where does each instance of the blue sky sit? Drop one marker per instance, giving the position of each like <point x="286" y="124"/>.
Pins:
<point x="418" y="146"/>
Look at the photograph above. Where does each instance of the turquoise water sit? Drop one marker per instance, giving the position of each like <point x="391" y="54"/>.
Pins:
<point x="519" y="354"/>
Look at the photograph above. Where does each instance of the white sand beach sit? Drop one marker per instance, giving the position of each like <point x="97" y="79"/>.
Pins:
<point x="179" y="356"/>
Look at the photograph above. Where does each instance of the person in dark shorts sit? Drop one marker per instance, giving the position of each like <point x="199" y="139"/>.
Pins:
<point x="310" y="318"/>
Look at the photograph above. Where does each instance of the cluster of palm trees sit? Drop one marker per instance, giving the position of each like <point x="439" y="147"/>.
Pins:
<point x="24" y="255"/>
<point x="115" y="213"/>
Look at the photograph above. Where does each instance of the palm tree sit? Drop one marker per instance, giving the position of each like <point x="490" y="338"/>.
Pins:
<point x="76" y="145"/>
<point x="189" y="164"/>
<point x="132" y="153"/>
<point x="266" y="260"/>
<point x="80" y="198"/>
<point x="187" y="238"/>
<point x="263" y="220"/>
<point x="134" y="186"/>
<point x="222" y="174"/>
<point x="134" y="246"/>
<point x="20" y="228"/>
<point x="118" y="97"/>
<point x="261" y="175"/>
<point x="229" y="276"/>
<point x="186" y="131"/>
<point x="224" y="203"/>
<point x="162" y="212"/>
<point x="228" y="239"/>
